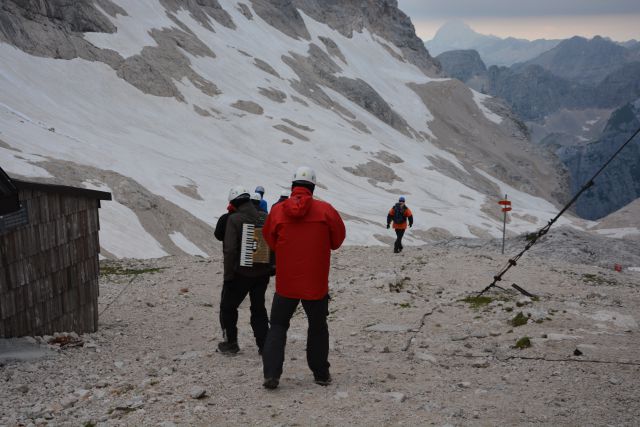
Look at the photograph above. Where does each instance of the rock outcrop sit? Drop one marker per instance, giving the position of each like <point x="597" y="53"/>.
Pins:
<point x="462" y="64"/>
<point x="619" y="183"/>
<point x="54" y="28"/>
<point x="381" y="17"/>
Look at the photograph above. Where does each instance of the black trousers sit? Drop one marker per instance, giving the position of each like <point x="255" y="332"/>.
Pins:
<point x="397" y="247"/>
<point x="233" y="293"/>
<point x="282" y="310"/>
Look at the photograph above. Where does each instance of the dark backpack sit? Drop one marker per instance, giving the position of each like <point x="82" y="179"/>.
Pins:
<point x="398" y="214"/>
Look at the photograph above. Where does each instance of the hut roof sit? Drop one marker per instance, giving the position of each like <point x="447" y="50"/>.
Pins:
<point x="62" y="189"/>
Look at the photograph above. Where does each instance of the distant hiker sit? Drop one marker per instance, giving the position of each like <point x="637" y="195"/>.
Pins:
<point x="284" y="195"/>
<point x="255" y="200"/>
<point x="221" y="225"/>
<point x="263" y="202"/>
<point x="241" y="280"/>
<point x="399" y="214"/>
<point x="302" y="231"/>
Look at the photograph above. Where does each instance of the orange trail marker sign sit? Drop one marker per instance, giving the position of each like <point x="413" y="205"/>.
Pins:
<point x="506" y="207"/>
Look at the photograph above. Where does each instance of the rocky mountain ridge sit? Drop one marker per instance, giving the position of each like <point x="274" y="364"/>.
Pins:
<point x="457" y="35"/>
<point x="585" y="61"/>
<point x="577" y="74"/>
<point x="566" y="96"/>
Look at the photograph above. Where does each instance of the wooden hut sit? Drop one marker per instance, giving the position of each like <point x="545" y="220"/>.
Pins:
<point x="48" y="258"/>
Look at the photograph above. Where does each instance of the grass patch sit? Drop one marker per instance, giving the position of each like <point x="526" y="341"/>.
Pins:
<point x="477" y="302"/>
<point x="405" y="305"/>
<point x="519" y="320"/>
<point x="594" y="279"/>
<point x="115" y="270"/>
<point x="524" y="342"/>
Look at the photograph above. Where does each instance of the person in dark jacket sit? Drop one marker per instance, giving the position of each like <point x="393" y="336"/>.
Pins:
<point x="399" y="214"/>
<point x="240" y="281"/>
<point x="302" y="231"/>
<point x="219" y="232"/>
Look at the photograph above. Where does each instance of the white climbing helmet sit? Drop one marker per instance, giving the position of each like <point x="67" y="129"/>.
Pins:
<point x="305" y="173"/>
<point x="284" y="193"/>
<point x="256" y="196"/>
<point x="237" y="191"/>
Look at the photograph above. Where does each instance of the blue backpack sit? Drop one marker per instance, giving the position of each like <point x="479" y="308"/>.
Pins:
<point x="398" y="213"/>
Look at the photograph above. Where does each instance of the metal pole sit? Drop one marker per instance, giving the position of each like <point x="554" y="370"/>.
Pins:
<point x="504" y="224"/>
<point x="544" y="230"/>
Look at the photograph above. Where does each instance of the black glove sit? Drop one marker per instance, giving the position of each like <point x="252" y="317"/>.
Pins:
<point x="410" y="225"/>
<point x="387" y="225"/>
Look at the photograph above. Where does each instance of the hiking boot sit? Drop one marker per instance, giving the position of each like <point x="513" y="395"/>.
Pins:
<point x="322" y="380"/>
<point x="271" y="383"/>
<point x="226" y="347"/>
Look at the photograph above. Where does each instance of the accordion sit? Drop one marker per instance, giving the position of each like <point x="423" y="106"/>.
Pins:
<point x="253" y="248"/>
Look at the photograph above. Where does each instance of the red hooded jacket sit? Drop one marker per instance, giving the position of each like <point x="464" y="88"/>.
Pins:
<point x="303" y="231"/>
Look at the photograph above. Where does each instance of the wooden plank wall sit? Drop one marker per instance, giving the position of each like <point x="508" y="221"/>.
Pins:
<point x="49" y="267"/>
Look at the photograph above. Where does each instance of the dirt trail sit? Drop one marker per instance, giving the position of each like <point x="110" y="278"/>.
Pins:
<point x="405" y="348"/>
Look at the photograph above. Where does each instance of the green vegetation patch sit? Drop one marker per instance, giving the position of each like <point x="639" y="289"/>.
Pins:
<point x="519" y="320"/>
<point x="120" y="271"/>
<point x="524" y="342"/>
<point x="594" y="279"/>
<point x="477" y="301"/>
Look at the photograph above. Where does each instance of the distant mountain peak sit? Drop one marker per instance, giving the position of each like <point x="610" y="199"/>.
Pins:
<point x="457" y="26"/>
<point x="458" y="35"/>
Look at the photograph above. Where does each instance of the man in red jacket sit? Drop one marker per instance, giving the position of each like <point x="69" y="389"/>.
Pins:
<point x="302" y="231"/>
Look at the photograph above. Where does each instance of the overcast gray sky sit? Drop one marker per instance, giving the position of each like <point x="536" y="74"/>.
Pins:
<point x="531" y="19"/>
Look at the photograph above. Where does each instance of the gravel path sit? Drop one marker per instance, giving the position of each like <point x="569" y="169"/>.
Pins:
<point x="405" y="348"/>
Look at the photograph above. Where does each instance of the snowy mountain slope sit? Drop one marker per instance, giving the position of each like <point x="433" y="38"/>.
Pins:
<point x="168" y="104"/>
